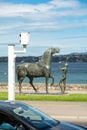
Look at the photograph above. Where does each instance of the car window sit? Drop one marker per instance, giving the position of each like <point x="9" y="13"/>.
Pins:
<point x="35" y="118"/>
<point x="30" y="115"/>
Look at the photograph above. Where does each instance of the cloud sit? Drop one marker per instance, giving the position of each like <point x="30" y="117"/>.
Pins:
<point x="14" y="10"/>
<point x="54" y="15"/>
<point x="65" y="4"/>
<point x="53" y="8"/>
<point x="10" y="9"/>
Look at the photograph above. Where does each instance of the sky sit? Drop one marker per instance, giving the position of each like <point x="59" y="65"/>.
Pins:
<point x="51" y="23"/>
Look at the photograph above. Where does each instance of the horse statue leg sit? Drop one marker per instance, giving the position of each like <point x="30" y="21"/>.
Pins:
<point x="20" y="86"/>
<point x="31" y="82"/>
<point x="21" y="74"/>
<point x="46" y="84"/>
<point x="20" y="82"/>
<point x="52" y="77"/>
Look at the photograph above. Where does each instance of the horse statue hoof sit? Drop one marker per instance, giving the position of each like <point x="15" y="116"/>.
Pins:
<point x="62" y="92"/>
<point x="47" y="92"/>
<point x="36" y="91"/>
<point x="20" y="92"/>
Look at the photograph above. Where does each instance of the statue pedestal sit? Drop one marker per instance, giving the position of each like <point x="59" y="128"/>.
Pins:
<point x="41" y="93"/>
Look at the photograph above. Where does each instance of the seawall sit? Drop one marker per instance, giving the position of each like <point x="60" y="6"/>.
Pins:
<point x="71" y="88"/>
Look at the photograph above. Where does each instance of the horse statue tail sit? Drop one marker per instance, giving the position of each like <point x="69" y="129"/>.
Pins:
<point x="17" y="69"/>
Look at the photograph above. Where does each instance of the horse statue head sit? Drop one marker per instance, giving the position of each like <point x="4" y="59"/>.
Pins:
<point x="47" y="56"/>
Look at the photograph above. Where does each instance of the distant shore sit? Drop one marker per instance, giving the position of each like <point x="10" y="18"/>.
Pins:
<point x="71" y="88"/>
<point x="72" y="57"/>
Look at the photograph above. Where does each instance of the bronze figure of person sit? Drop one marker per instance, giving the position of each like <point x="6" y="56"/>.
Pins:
<point x="62" y="82"/>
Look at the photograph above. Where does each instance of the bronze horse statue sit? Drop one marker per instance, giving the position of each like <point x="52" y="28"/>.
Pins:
<point x="40" y="69"/>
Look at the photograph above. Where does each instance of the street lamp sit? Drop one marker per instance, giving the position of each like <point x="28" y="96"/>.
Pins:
<point x="25" y="40"/>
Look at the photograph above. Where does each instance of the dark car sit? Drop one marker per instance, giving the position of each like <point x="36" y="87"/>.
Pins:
<point x="20" y="116"/>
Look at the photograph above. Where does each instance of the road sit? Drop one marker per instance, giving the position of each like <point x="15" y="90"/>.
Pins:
<point x="75" y="112"/>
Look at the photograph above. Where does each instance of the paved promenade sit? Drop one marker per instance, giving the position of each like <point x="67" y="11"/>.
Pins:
<point x="62" y="110"/>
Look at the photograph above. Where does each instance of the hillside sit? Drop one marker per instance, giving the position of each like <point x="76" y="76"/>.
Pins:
<point x="73" y="57"/>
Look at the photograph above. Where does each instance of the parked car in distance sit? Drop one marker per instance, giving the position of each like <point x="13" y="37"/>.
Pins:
<point x="20" y="116"/>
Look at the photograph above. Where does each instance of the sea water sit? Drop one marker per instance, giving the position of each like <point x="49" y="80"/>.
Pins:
<point x="77" y="73"/>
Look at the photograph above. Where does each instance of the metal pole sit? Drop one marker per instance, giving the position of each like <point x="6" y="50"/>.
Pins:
<point x="11" y="70"/>
<point x="11" y="64"/>
<point x="11" y="73"/>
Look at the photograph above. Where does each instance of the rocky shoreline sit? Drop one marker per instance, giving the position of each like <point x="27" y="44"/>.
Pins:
<point x="71" y="88"/>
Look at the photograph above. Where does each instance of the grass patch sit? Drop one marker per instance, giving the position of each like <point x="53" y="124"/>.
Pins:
<point x="45" y="97"/>
<point x="3" y="95"/>
<point x="71" y="97"/>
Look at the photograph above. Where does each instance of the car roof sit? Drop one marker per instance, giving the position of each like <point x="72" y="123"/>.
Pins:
<point x="10" y="105"/>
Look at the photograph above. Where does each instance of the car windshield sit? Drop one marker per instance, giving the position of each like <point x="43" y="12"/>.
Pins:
<point x="35" y="117"/>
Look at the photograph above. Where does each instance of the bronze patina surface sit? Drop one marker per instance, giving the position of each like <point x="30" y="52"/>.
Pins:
<point x="39" y="69"/>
